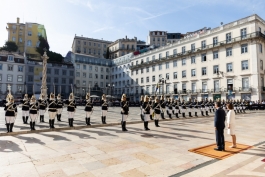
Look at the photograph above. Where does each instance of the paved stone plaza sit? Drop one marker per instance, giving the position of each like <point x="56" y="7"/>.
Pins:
<point x="107" y="151"/>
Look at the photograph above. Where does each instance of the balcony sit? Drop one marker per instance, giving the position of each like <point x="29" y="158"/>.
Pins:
<point x="205" y="91"/>
<point x="195" y="91"/>
<point x="183" y="92"/>
<point x="245" y="89"/>
<point x="218" y="90"/>
<point x="254" y="35"/>
<point x="234" y="90"/>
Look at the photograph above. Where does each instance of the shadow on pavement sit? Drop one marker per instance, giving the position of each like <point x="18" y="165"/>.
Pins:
<point x="9" y="146"/>
<point x="30" y="140"/>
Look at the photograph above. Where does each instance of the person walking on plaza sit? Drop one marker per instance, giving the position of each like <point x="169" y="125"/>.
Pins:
<point x="11" y="113"/>
<point x="59" y="103"/>
<point x="88" y="108"/>
<point x="231" y="124"/>
<point x="163" y="106"/>
<point x="219" y="124"/>
<point x="146" y="109"/>
<point x="104" y="109"/>
<point x="124" y="112"/>
<point x="141" y="109"/>
<point x="52" y="110"/>
<point x="42" y="107"/>
<point x="25" y="109"/>
<point x="71" y="107"/>
<point x="33" y="112"/>
<point x="157" y="111"/>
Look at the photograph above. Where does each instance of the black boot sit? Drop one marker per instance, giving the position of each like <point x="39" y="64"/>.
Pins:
<point x="196" y="114"/>
<point x="210" y="110"/>
<point x="151" y="117"/>
<point x="30" y="123"/>
<point x="142" y="117"/>
<point x="167" y="112"/>
<point x="162" y="115"/>
<point x="72" y="122"/>
<point x="170" y="116"/>
<point x="88" y="121"/>
<point x="102" y="119"/>
<point x="53" y="123"/>
<point x="146" y="126"/>
<point x="69" y="122"/>
<point x="173" y="112"/>
<point x="157" y="123"/>
<point x="40" y="118"/>
<point x="60" y="116"/>
<point x="202" y="113"/>
<point x="124" y="126"/>
<point x="11" y="127"/>
<point x="7" y="128"/>
<point x="33" y="126"/>
<point x="24" y="119"/>
<point x="177" y="115"/>
<point x="50" y="123"/>
<point x="183" y="114"/>
<point x="57" y="115"/>
<point x="207" y="113"/>
<point x="190" y="114"/>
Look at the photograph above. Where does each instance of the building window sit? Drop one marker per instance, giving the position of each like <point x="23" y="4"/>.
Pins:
<point x="84" y="67"/>
<point x="184" y="74"/>
<point x="167" y="65"/>
<point x="90" y="75"/>
<point x="243" y="33"/>
<point x="84" y="75"/>
<point x="160" y="66"/>
<point x="101" y="77"/>
<point x="261" y="64"/>
<point x="244" y="48"/>
<point x="56" y="71"/>
<point x="215" y="54"/>
<point x="1" y="66"/>
<point x="204" y="86"/>
<point x="245" y="83"/>
<point x="20" y="78"/>
<point x="153" y="57"/>
<point x="167" y="54"/>
<point x="175" y="75"/>
<point x="228" y="37"/>
<point x="64" y="72"/>
<point x="96" y="69"/>
<point x="10" y="58"/>
<point x="203" y="44"/>
<point x="84" y="83"/>
<point x="136" y="81"/>
<point x="184" y="88"/>
<point x="183" y="49"/>
<point x="204" y="57"/>
<point x="56" y="80"/>
<point x="30" y="78"/>
<point x="215" y="69"/>
<point x="260" y="48"/>
<point x="175" y="52"/>
<point x="29" y="33"/>
<point x="153" y="68"/>
<point x="229" y="67"/>
<point x="192" y="47"/>
<point x="193" y="59"/>
<point x="142" y="80"/>
<point x="147" y="69"/>
<point x="153" y="78"/>
<point x="90" y="68"/>
<point x="48" y="79"/>
<point x="147" y="79"/>
<point x="215" y="41"/>
<point x="244" y="65"/>
<point x="193" y="72"/>
<point x="96" y="76"/>
<point x="14" y="39"/>
<point x="204" y="71"/>
<point x="78" y="66"/>
<point x="48" y="70"/>
<point x="183" y="61"/>
<point x="167" y="76"/>
<point x="71" y="73"/>
<point x="175" y="63"/>
<point x="9" y="78"/>
<point x="229" y="51"/>
<point x="63" y="81"/>
<point x="20" y="68"/>
<point x="142" y="70"/>
<point x="10" y="67"/>
<point x="0" y="79"/>
<point x="77" y="74"/>
<point x="147" y="59"/>
<point x="31" y="69"/>
<point x="136" y="71"/>
<point x="29" y="43"/>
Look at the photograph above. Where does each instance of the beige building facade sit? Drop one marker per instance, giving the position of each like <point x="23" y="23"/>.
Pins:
<point x="157" y="38"/>
<point x="90" y="46"/>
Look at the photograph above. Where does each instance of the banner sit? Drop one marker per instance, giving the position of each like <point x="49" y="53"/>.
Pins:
<point x="216" y="97"/>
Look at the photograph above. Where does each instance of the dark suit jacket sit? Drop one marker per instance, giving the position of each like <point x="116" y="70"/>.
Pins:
<point x="219" y="118"/>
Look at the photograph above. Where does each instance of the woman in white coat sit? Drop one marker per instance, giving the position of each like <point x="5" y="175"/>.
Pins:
<point x="231" y="116"/>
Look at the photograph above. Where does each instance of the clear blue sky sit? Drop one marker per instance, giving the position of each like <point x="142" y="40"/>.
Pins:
<point x="113" y="19"/>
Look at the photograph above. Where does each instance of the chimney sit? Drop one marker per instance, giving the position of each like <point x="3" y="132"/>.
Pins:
<point x="17" y="20"/>
<point x="126" y="37"/>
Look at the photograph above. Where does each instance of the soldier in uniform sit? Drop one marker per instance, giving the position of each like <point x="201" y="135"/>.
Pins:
<point x="71" y="107"/>
<point x="157" y="111"/>
<point x="163" y="106"/>
<point x="88" y="108"/>
<point x="104" y="108"/>
<point x="177" y="108"/>
<point x="52" y="110"/>
<point x="42" y="107"/>
<point x="169" y="105"/>
<point x="33" y="112"/>
<point x="202" y="107"/>
<point x="146" y="109"/>
<point x="183" y="108"/>
<point x="124" y="112"/>
<point x="167" y="102"/>
<point x="25" y="109"/>
<point x="151" y="102"/>
<point x="207" y="106"/>
<point x="11" y="112"/>
<point x="196" y="108"/>
<point x="190" y="108"/>
<point x="141" y="109"/>
<point x="59" y="104"/>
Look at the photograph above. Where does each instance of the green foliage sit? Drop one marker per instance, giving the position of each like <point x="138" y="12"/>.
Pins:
<point x="10" y="46"/>
<point x="54" y="57"/>
<point x="43" y="45"/>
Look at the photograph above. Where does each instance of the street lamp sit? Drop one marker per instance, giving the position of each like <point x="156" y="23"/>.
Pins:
<point x="162" y="81"/>
<point x="111" y="86"/>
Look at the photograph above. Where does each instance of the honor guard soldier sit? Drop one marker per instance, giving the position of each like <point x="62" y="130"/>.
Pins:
<point x="196" y="108"/>
<point x="25" y="109"/>
<point x="88" y="109"/>
<point x="146" y="109"/>
<point x="177" y="108"/>
<point x="33" y="112"/>
<point x="52" y="110"/>
<point x="167" y="102"/>
<point x="42" y="107"/>
<point x="202" y="107"/>
<point x="173" y="106"/>
<point x="169" y="105"/>
<point x="206" y="107"/>
<point x="190" y="108"/>
<point x="151" y="102"/>
<point x="157" y="111"/>
<point x="163" y="106"/>
<point x="245" y="106"/>
<point x="104" y="109"/>
<point x="59" y="103"/>
<point x="124" y="112"/>
<point x="183" y="108"/>
<point x="71" y="107"/>
<point x="141" y="109"/>
<point x="11" y="112"/>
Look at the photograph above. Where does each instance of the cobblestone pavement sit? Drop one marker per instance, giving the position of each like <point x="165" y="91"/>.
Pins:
<point x="107" y="151"/>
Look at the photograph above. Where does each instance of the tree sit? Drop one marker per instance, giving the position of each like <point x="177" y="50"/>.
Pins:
<point x="43" y="44"/>
<point x="10" y="46"/>
<point x="54" y="57"/>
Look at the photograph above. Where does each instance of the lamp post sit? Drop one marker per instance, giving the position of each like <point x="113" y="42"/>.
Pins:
<point x="44" y="75"/>
<point x="111" y="86"/>
<point x="162" y="81"/>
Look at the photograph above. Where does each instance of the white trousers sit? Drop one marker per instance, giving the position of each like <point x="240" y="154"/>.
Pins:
<point x="25" y="113"/>
<point x="88" y="114"/>
<point x="104" y="113"/>
<point x="124" y="117"/>
<point x="10" y="119"/>
<point x="33" y="117"/>
<point x="52" y="115"/>
<point x="151" y="111"/>
<point x="146" y="117"/>
<point x="157" y="116"/>
<point x="71" y="114"/>
<point x="207" y="108"/>
<point x="42" y="112"/>
<point x="59" y="110"/>
<point x="169" y="111"/>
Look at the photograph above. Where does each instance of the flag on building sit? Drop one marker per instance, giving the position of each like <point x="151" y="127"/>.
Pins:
<point x="157" y="87"/>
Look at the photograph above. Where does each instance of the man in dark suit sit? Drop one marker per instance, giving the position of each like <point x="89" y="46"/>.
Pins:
<point x="219" y="124"/>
